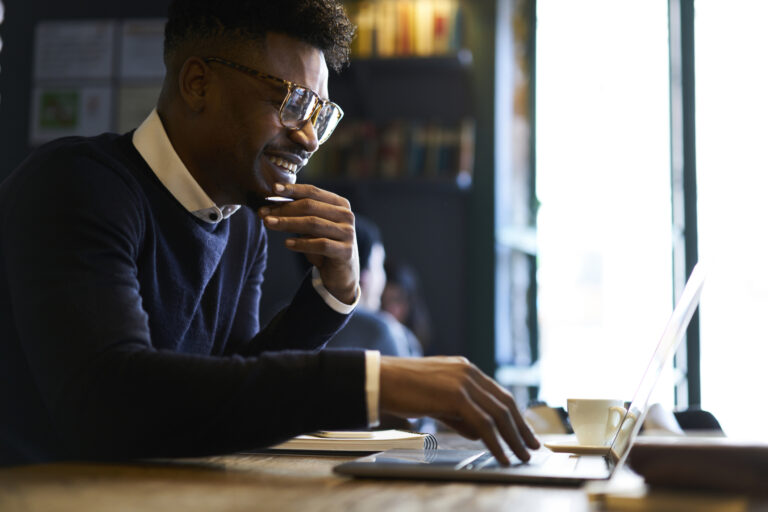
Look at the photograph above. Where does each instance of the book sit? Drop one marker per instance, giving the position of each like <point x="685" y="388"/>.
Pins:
<point x="358" y="441"/>
<point x="385" y="26"/>
<point x="406" y="28"/>
<point x="363" y="44"/>
<point x="423" y="29"/>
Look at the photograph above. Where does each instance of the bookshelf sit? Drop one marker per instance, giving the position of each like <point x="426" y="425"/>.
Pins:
<point x="424" y="28"/>
<point x="405" y="118"/>
<point x="470" y="226"/>
<point x="406" y="96"/>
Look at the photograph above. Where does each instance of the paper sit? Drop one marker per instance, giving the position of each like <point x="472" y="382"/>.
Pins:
<point x="141" y="55"/>
<point x="74" y="49"/>
<point x="373" y="441"/>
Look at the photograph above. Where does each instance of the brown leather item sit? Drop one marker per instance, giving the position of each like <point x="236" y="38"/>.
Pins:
<point x="702" y="463"/>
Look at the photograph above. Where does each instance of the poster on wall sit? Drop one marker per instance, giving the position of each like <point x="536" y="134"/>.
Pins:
<point x="141" y="50"/>
<point x="59" y="111"/>
<point x="73" y="70"/>
<point x="93" y="76"/>
<point x="74" y="49"/>
<point x="141" y="71"/>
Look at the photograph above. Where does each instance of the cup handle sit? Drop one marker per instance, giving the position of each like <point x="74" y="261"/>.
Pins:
<point x="629" y="424"/>
<point x="615" y="415"/>
<point x="626" y="428"/>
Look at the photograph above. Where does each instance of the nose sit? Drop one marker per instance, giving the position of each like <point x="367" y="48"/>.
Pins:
<point x="306" y="136"/>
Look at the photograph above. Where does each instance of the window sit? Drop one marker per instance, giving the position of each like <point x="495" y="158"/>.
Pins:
<point x="603" y="183"/>
<point x="732" y="179"/>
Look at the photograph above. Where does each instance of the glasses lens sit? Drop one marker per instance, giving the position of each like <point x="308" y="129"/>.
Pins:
<point x="326" y="121"/>
<point x="298" y="106"/>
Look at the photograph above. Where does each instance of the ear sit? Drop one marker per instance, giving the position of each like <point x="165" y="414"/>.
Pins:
<point x="194" y="82"/>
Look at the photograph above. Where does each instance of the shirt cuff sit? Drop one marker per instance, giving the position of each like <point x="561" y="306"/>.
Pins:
<point x="333" y="303"/>
<point x="372" y="367"/>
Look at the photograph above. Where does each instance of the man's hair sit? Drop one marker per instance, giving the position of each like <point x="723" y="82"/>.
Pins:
<point x="321" y="23"/>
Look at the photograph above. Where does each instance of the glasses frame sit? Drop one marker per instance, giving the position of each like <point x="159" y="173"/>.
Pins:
<point x="292" y="86"/>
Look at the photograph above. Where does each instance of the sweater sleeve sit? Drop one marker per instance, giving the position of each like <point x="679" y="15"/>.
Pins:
<point x="72" y="278"/>
<point x="306" y="323"/>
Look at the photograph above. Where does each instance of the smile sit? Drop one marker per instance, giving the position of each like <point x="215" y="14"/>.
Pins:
<point x="284" y="164"/>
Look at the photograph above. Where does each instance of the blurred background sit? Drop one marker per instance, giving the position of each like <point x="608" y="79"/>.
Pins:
<point x="549" y="171"/>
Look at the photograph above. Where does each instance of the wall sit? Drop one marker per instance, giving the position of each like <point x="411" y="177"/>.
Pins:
<point x="16" y="59"/>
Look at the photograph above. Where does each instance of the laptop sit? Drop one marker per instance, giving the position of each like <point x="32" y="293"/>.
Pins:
<point x="545" y="466"/>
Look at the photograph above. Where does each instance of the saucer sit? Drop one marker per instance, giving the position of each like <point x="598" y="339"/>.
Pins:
<point x="580" y="449"/>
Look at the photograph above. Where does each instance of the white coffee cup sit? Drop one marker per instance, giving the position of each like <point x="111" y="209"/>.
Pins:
<point x="595" y="420"/>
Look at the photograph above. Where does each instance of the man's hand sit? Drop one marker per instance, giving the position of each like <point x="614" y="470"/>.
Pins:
<point x="456" y="392"/>
<point x="326" y="227"/>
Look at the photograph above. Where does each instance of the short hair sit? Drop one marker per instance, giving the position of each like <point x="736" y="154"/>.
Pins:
<point x="321" y="23"/>
<point x="368" y="235"/>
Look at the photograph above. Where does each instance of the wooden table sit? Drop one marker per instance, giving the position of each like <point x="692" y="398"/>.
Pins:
<point x="281" y="483"/>
<point x="256" y="482"/>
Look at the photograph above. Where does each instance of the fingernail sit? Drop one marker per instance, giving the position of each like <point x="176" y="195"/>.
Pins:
<point x="264" y="210"/>
<point x="270" y="220"/>
<point x="279" y="187"/>
<point x="290" y="243"/>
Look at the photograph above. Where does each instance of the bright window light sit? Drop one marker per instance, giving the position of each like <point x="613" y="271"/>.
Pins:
<point x="603" y="180"/>
<point x="732" y="177"/>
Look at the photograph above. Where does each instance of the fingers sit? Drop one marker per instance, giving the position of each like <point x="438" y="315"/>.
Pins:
<point x="320" y="236"/>
<point x="508" y="402"/>
<point x="502" y="420"/>
<point x="455" y="391"/>
<point x="322" y="219"/>
<point x="325" y="226"/>
<point x="309" y="208"/>
<point x="301" y="191"/>
<point x="493" y="410"/>
<point x="485" y="427"/>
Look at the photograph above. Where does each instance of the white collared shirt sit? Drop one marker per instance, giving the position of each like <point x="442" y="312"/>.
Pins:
<point x="152" y="142"/>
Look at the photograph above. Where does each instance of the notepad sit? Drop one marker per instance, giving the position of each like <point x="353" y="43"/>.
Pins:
<point x="358" y="441"/>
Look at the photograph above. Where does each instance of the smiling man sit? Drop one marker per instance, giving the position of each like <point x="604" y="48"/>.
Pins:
<point x="131" y="273"/>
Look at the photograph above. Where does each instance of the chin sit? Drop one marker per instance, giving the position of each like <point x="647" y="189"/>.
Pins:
<point x="255" y="199"/>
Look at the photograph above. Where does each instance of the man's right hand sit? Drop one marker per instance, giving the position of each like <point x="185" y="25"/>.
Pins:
<point x="455" y="391"/>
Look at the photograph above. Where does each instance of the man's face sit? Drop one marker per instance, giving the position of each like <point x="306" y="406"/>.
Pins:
<point x="250" y="150"/>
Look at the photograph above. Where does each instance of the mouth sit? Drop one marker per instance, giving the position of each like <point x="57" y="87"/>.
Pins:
<point x="285" y="165"/>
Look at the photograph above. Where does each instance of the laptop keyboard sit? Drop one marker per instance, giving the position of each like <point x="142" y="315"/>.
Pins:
<point x="488" y="461"/>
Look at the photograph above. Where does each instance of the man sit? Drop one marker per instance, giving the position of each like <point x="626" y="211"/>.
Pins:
<point x="368" y="326"/>
<point x="131" y="277"/>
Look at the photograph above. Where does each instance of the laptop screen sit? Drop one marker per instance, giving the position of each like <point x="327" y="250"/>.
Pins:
<point x="665" y="349"/>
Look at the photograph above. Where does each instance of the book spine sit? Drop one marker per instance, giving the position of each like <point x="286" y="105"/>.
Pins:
<point x="402" y="28"/>
<point x="397" y="149"/>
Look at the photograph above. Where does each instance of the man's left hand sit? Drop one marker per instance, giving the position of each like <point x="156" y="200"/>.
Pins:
<point x="325" y="226"/>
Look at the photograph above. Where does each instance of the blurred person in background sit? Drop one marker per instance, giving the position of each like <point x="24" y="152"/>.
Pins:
<point x="369" y="327"/>
<point x="402" y="299"/>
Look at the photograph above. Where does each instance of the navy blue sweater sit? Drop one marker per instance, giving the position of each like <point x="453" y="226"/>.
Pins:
<point x="129" y="328"/>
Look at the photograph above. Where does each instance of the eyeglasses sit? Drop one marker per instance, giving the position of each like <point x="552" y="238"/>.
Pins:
<point x="301" y="104"/>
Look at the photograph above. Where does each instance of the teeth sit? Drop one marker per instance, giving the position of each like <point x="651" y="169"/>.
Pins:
<point x="288" y="166"/>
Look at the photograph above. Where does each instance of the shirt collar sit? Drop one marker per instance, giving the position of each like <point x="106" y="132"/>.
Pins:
<point x="153" y="144"/>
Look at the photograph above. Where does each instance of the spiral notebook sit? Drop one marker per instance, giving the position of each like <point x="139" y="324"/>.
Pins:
<point x="358" y="441"/>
